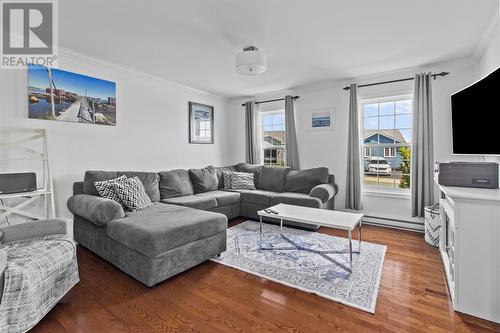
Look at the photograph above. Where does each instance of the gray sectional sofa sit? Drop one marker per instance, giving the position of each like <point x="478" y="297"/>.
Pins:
<point x="187" y="222"/>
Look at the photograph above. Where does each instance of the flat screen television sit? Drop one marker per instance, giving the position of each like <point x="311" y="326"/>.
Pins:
<point x="475" y="112"/>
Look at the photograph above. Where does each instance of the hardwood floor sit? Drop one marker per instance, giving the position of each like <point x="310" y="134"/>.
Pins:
<point x="214" y="298"/>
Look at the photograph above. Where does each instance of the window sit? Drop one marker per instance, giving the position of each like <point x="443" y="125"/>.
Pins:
<point x="386" y="141"/>
<point x="273" y="137"/>
<point x="368" y="152"/>
<point x="389" y="151"/>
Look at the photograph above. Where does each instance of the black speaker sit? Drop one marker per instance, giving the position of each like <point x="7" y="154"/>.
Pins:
<point x="469" y="174"/>
<point x="17" y="182"/>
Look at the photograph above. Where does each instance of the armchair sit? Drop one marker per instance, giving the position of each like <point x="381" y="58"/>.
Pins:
<point x="37" y="267"/>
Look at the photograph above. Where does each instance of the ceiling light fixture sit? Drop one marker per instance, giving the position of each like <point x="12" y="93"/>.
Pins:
<point x="251" y="61"/>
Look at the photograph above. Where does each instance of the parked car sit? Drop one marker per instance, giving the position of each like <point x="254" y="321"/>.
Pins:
<point x="377" y="165"/>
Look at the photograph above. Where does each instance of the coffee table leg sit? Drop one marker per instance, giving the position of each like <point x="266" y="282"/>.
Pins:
<point x="260" y="227"/>
<point x="350" y="246"/>
<point x="359" y="237"/>
<point x="281" y="227"/>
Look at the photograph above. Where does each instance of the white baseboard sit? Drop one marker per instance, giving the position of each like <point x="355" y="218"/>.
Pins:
<point x="394" y="223"/>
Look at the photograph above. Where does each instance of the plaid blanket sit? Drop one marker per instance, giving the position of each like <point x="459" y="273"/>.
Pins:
<point x="40" y="271"/>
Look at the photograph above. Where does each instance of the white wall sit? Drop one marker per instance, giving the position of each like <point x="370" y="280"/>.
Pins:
<point x="489" y="59"/>
<point x="151" y="132"/>
<point x="329" y="148"/>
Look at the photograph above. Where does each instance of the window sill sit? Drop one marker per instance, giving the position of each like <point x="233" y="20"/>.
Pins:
<point x="399" y="194"/>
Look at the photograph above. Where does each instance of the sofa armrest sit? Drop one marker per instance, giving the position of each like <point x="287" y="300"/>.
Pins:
<point x="324" y="192"/>
<point x="96" y="209"/>
<point x="32" y="229"/>
<point x="3" y="266"/>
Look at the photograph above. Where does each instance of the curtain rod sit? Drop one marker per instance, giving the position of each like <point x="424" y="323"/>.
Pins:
<point x="400" y="80"/>
<point x="273" y="100"/>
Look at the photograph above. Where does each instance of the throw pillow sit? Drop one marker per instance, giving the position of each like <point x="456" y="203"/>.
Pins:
<point x="106" y="189"/>
<point x="253" y="168"/>
<point x="303" y="181"/>
<point x="220" y="174"/>
<point x="272" y="178"/>
<point x="240" y="181"/>
<point x="132" y="194"/>
<point x="227" y="179"/>
<point x="175" y="183"/>
<point x="204" y="180"/>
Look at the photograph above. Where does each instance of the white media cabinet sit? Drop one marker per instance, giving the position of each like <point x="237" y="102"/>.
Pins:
<point x="470" y="249"/>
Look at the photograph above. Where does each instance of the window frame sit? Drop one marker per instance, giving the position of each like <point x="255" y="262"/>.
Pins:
<point x="381" y="191"/>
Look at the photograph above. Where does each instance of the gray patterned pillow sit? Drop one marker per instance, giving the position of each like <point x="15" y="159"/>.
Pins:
<point x="132" y="194"/>
<point x="238" y="181"/>
<point x="106" y="189"/>
<point x="227" y="176"/>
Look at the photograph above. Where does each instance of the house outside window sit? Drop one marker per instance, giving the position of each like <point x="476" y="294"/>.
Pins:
<point x="387" y="131"/>
<point x="273" y="137"/>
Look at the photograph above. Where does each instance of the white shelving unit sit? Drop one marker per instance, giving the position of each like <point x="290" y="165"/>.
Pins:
<point x="470" y="249"/>
<point x="28" y="145"/>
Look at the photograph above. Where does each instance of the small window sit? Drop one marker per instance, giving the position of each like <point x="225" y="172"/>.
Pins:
<point x="389" y="151"/>
<point x="368" y="152"/>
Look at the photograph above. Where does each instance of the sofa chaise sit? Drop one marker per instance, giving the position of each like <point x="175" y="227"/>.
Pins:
<point x="187" y="222"/>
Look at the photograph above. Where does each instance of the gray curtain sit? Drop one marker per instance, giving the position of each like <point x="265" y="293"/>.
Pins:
<point x="422" y="154"/>
<point x="252" y="139"/>
<point x="353" y="182"/>
<point x="292" y="151"/>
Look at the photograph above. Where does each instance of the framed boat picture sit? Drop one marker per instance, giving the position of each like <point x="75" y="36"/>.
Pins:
<point x="201" y="123"/>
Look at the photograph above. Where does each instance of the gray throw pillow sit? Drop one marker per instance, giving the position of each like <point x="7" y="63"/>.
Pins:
<point x="106" y="189"/>
<point x="220" y="174"/>
<point x="204" y="180"/>
<point x="253" y="168"/>
<point x="149" y="180"/>
<point x="272" y="178"/>
<point x="132" y="194"/>
<point x="238" y="180"/>
<point x="303" y="181"/>
<point x="175" y="183"/>
<point x="92" y="176"/>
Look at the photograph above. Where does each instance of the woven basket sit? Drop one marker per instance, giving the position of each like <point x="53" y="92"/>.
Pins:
<point x="432" y="224"/>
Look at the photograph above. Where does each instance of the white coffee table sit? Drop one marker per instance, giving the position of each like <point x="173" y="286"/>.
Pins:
<point x="315" y="216"/>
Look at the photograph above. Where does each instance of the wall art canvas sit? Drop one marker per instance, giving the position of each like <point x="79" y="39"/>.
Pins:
<point x="321" y="120"/>
<point x="201" y="123"/>
<point x="58" y="95"/>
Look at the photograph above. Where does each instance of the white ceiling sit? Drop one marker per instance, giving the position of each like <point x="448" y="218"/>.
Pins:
<point x="193" y="42"/>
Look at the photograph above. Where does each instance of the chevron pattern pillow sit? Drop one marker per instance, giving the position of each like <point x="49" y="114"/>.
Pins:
<point x="132" y="194"/>
<point x="106" y="190"/>
<point x="238" y="180"/>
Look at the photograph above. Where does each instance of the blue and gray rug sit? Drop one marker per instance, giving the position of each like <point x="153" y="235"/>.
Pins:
<point x="307" y="271"/>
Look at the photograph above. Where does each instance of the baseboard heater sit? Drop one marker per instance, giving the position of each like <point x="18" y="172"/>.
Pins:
<point x="394" y="223"/>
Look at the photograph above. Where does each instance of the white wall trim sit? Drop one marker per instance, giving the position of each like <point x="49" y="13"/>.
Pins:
<point x="393" y="223"/>
<point x="70" y="54"/>
<point x="397" y="194"/>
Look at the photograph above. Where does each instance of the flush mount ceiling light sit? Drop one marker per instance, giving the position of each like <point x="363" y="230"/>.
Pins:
<point x="251" y="61"/>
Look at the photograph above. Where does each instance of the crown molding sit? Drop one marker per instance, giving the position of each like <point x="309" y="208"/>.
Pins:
<point x="73" y="55"/>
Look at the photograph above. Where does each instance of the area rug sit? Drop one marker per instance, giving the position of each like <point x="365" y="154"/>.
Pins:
<point x="307" y="271"/>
